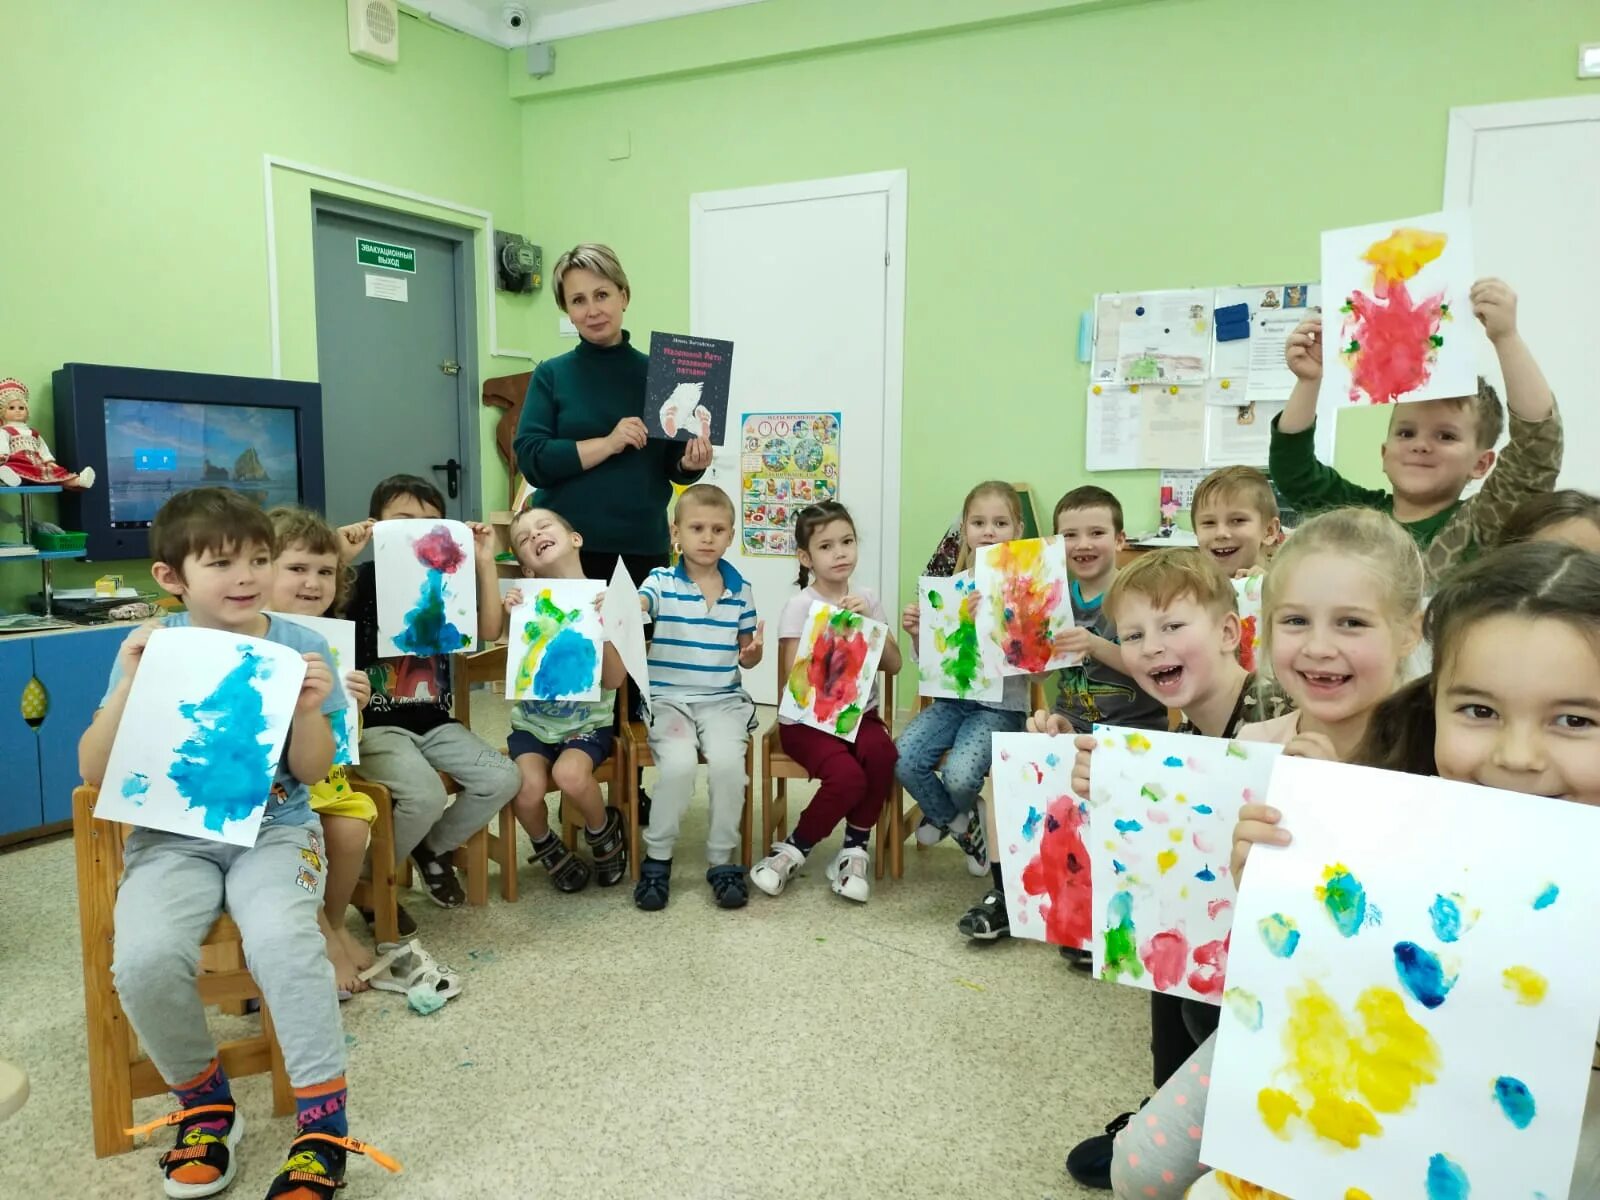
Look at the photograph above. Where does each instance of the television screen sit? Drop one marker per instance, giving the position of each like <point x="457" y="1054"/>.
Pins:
<point x="157" y="448"/>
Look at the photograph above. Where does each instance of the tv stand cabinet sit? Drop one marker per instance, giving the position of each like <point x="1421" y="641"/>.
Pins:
<point x="45" y="558"/>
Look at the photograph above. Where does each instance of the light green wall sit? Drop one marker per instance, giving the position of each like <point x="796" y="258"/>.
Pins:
<point x="1107" y="148"/>
<point x="131" y="217"/>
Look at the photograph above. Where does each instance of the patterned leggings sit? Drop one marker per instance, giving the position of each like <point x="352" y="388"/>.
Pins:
<point x="1157" y="1156"/>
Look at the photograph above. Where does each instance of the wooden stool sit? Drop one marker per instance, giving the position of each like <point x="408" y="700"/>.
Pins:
<point x="503" y="842"/>
<point x="119" y="1072"/>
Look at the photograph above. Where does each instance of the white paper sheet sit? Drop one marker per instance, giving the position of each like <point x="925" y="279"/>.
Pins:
<point x="427" y="584"/>
<point x="1416" y="956"/>
<point x="1026" y="603"/>
<point x="341" y="639"/>
<point x="1240" y="436"/>
<point x="1151" y="427"/>
<point x="1253" y="369"/>
<point x="553" y="641"/>
<point x="833" y="701"/>
<point x="204" y="727"/>
<point x="1152" y="337"/>
<point x="1042" y="831"/>
<point x="1248" y="591"/>
<point x="954" y="657"/>
<point x="623" y="622"/>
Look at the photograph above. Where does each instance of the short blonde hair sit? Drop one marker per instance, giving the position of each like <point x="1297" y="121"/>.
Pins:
<point x="1004" y="492"/>
<point x="1366" y="536"/>
<point x="1246" y="484"/>
<point x="703" y="495"/>
<point x="1163" y="576"/>
<point x="594" y="258"/>
<point x="1488" y="414"/>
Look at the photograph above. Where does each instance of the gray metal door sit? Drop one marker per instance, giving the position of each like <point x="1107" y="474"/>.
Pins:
<point x="388" y="355"/>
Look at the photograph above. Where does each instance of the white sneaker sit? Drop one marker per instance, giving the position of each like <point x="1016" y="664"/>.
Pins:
<point x="773" y="871"/>
<point x="848" y="874"/>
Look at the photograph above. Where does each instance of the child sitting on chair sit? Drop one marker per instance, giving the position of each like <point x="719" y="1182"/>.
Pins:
<point x="563" y="741"/>
<point x="213" y="549"/>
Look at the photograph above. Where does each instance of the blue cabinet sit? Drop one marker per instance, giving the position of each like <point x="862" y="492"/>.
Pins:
<point x="40" y="764"/>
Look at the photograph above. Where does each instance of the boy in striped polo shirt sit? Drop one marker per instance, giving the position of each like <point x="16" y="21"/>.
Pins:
<point x="705" y="631"/>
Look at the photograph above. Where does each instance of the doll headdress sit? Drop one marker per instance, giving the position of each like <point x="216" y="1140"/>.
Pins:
<point x="9" y="385"/>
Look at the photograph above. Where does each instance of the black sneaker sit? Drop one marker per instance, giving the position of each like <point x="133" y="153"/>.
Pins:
<point x="610" y="849"/>
<point x="1081" y="960"/>
<point x="729" y="886"/>
<point x="316" y="1164"/>
<point x="655" y="884"/>
<point x="986" y="921"/>
<point x="404" y="921"/>
<point x="439" y="877"/>
<point x="1089" y="1162"/>
<point x="203" y="1159"/>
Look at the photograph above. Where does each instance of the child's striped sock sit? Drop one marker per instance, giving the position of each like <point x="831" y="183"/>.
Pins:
<point x="208" y="1087"/>
<point x="321" y="1108"/>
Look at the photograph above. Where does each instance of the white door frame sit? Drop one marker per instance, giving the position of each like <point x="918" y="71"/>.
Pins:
<point x="1466" y="123"/>
<point x="893" y="186"/>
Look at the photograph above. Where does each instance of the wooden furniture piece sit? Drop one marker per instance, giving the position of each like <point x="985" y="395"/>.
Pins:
<point x="119" y="1072"/>
<point x="380" y="892"/>
<point x="503" y="840"/>
<point x="777" y="768"/>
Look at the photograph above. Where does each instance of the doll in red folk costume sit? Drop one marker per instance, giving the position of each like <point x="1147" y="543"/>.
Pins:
<point x="24" y="458"/>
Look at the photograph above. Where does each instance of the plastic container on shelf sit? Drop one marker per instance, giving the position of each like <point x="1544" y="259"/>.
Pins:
<point x="65" y="540"/>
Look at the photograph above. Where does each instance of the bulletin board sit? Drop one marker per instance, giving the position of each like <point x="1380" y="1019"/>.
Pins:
<point x="1189" y="378"/>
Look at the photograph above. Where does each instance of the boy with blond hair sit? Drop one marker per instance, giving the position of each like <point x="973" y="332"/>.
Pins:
<point x="1235" y="519"/>
<point x="213" y="548"/>
<point x="1434" y="447"/>
<point x="705" y="632"/>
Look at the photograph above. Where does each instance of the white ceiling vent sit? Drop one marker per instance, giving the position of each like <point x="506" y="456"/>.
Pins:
<point x="374" y="29"/>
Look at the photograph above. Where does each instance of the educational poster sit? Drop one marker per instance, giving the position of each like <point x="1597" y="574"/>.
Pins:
<point x="1411" y="1005"/>
<point x="1139" y="426"/>
<point x="206" y="720"/>
<point x="790" y="460"/>
<point x="1042" y="831"/>
<point x="830" y="686"/>
<point x="1253" y="325"/>
<point x="1240" y="436"/>
<point x="1152" y="337"/>
<point x="954" y="659"/>
<point x="1026" y="603"/>
<point x="1162" y="811"/>
<point x="1399" y="323"/>
<point x="622" y="620"/>
<point x="341" y="639"/>
<point x="553" y="641"/>
<point x="1248" y="590"/>
<point x="686" y="391"/>
<point x="427" y="587"/>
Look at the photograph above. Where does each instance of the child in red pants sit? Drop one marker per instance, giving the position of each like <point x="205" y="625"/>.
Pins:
<point x="855" y="776"/>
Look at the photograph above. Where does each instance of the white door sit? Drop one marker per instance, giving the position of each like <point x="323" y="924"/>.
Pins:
<point x="1530" y="173"/>
<point x="808" y="282"/>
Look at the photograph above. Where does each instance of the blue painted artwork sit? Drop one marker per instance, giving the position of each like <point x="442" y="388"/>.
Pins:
<point x="224" y="769"/>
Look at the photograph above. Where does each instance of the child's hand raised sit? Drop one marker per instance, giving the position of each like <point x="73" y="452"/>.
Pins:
<point x="353" y="537"/>
<point x="1072" y="640"/>
<point x="750" y="653"/>
<point x="1084" y="744"/>
<point x="1303" y="352"/>
<point x="1495" y="305"/>
<point x="1312" y="745"/>
<point x="1257" y="823"/>
<point x="482" y="541"/>
<point x="132" y="651"/>
<point x="359" y="687"/>
<point x="911" y="618"/>
<point x="512" y="598"/>
<point x="316" y="686"/>
<point x="1045" y="721"/>
<point x="854" y="604"/>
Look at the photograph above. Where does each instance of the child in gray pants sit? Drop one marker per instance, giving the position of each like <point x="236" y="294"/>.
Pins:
<point x="213" y="548"/>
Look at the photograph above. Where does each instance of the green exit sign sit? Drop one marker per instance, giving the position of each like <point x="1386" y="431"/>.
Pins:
<point x="382" y="254"/>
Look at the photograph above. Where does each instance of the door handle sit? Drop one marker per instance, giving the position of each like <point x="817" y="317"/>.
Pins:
<point x="452" y="476"/>
<point x="450" y="367"/>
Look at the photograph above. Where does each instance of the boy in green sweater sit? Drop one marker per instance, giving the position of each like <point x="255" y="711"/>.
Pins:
<point x="1434" y="447"/>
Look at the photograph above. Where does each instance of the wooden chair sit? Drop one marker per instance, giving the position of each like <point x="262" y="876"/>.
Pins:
<point x="777" y="768"/>
<point x="119" y="1072"/>
<point x="634" y="739"/>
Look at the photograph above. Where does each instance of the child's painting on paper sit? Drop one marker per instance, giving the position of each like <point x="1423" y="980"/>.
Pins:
<point x="1026" y="602"/>
<point x="427" y="587"/>
<point x="205" y="725"/>
<point x="1163" y="810"/>
<point x="954" y="659"/>
<point x="1399" y="324"/>
<point x="1043" y="831"/>
<point x="1248" y="590"/>
<point x="1410" y="1006"/>
<point x="341" y="639"/>
<point x="830" y="685"/>
<point x="553" y="641"/>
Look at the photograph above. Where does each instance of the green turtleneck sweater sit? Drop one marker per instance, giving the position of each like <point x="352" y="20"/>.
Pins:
<point x="619" y="505"/>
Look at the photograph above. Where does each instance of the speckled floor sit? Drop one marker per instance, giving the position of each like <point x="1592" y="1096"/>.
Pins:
<point x="802" y="1047"/>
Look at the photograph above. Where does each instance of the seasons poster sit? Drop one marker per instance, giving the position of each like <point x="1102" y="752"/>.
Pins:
<point x="788" y="460"/>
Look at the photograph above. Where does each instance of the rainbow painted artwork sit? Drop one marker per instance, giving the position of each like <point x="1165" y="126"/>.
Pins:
<point x="1162" y="813"/>
<point x="1043" y="832"/>
<point x="1248" y="590"/>
<point x="1411" y="999"/>
<point x="553" y="641"/>
<point x="1026" y="602"/>
<point x="427" y="587"/>
<point x="341" y="639"/>
<point x="830" y="685"/>
<point x="1397" y="320"/>
<point x="954" y="659"/>
<point x="205" y="724"/>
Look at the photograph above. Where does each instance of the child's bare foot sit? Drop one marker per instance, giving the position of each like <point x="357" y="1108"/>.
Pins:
<point x="358" y="954"/>
<point x="346" y="975"/>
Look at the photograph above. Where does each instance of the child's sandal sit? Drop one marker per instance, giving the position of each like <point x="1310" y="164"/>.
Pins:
<point x="197" y="1146"/>
<point x="567" y="871"/>
<point x="401" y="966"/>
<point x="610" y="850"/>
<point x="316" y="1164"/>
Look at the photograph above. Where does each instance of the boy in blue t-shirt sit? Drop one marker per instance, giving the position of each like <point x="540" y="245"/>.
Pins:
<point x="214" y="548"/>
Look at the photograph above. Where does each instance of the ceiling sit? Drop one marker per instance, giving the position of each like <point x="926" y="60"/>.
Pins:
<point x="551" y="20"/>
